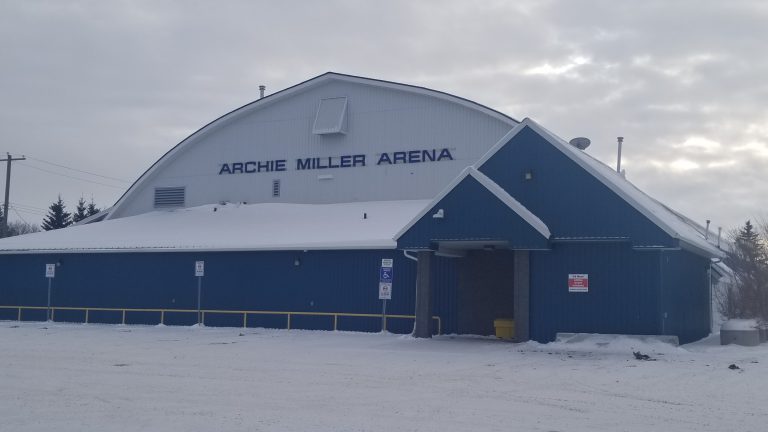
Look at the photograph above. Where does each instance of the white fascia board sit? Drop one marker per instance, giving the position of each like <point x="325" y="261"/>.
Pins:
<point x="492" y="187"/>
<point x="92" y="217"/>
<point x="699" y="246"/>
<point x="435" y="200"/>
<point x="512" y="203"/>
<point x="171" y="154"/>
<point x="384" y="245"/>
<point x="500" y="143"/>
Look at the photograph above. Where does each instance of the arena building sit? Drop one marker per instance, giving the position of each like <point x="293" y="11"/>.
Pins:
<point x="305" y="204"/>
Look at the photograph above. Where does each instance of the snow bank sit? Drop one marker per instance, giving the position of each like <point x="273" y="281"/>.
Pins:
<point x="740" y="325"/>
<point x="613" y="344"/>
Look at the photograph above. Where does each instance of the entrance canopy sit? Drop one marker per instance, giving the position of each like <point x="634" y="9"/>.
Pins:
<point x="473" y="212"/>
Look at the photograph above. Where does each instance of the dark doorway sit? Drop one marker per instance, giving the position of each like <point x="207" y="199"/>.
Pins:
<point x="485" y="290"/>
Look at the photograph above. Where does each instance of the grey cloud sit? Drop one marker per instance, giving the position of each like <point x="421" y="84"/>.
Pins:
<point x="111" y="85"/>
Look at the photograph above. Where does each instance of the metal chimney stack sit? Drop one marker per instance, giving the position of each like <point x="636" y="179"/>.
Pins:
<point x="618" y="158"/>
<point x="706" y="235"/>
<point x="261" y="91"/>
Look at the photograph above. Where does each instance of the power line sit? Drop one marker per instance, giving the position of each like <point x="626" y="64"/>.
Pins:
<point x="27" y="206"/>
<point x="25" y="210"/>
<point x="20" y="216"/>
<point x="34" y="212"/>
<point x="72" y="177"/>
<point x="75" y="169"/>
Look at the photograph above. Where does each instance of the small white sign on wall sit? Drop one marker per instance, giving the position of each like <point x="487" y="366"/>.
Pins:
<point x="199" y="268"/>
<point x="385" y="291"/>
<point x="50" y="270"/>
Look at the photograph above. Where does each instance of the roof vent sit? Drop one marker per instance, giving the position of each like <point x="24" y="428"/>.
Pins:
<point x="262" y="88"/>
<point x="331" y="117"/>
<point x="580" y="143"/>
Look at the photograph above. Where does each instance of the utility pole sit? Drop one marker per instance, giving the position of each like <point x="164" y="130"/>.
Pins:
<point x="9" y="159"/>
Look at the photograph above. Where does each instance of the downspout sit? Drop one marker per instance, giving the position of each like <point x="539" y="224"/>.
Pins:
<point x="710" y="296"/>
<point x="661" y="293"/>
<point x="405" y="252"/>
<point x="712" y="292"/>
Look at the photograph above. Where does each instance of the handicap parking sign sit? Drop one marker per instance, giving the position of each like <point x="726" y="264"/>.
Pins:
<point x="385" y="274"/>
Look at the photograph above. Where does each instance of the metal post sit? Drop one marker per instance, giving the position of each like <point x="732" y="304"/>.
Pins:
<point x="48" y="308"/>
<point x="384" y="316"/>
<point x="199" y="293"/>
<point x="422" y="326"/>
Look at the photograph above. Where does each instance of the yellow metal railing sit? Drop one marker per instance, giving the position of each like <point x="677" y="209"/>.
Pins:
<point x="244" y="313"/>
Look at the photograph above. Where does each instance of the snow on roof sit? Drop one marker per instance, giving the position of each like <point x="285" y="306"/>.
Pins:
<point x="231" y="227"/>
<point x="671" y="222"/>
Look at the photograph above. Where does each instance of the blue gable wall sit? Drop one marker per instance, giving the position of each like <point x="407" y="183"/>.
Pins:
<point x="472" y="212"/>
<point x="570" y="201"/>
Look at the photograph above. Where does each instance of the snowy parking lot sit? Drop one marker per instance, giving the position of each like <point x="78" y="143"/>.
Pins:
<point x="75" y="377"/>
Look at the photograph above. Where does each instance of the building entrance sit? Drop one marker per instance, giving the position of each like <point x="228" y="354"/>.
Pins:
<point x="485" y="290"/>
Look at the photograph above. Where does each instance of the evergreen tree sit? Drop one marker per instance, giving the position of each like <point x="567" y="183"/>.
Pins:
<point x="92" y="209"/>
<point x="749" y="261"/>
<point x="57" y="217"/>
<point x="81" y="212"/>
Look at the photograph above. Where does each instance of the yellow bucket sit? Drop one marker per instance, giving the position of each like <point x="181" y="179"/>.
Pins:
<point x="505" y="328"/>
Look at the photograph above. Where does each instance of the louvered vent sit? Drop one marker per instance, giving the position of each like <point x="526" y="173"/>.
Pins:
<point x="331" y="116"/>
<point x="168" y="197"/>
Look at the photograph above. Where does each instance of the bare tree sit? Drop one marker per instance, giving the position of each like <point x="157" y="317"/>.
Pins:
<point x="18" y="228"/>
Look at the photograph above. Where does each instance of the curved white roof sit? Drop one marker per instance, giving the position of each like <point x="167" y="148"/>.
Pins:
<point x="383" y="117"/>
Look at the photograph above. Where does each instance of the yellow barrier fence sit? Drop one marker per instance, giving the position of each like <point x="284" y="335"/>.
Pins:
<point x="245" y="314"/>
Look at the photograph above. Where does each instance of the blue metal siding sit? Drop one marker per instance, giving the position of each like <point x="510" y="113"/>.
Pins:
<point x="324" y="281"/>
<point x="472" y="213"/>
<point x="570" y="201"/>
<point x="622" y="297"/>
<point x="685" y="300"/>
<point x="444" y="280"/>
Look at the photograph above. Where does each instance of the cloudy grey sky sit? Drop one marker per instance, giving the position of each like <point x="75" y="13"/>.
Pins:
<point x="107" y="87"/>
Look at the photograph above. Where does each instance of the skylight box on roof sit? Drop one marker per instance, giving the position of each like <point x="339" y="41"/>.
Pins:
<point x="331" y="117"/>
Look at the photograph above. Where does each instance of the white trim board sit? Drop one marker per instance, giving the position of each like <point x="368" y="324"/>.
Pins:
<point x="670" y="222"/>
<point x="494" y="189"/>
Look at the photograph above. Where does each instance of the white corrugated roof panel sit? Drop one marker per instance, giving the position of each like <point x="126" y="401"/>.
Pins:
<point x="230" y="227"/>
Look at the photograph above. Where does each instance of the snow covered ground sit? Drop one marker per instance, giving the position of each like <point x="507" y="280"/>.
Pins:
<point x="74" y="377"/>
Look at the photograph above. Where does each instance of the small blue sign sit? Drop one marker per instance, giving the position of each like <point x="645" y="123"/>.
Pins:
<point x="385" y="274"/>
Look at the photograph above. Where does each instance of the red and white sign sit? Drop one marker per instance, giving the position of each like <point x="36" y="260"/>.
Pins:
<point x="578" y="283"/>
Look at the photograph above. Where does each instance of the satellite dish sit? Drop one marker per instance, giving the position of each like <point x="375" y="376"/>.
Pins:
<point x="580" y="143"/>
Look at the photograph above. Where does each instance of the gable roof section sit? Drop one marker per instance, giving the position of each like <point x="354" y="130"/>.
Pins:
<point x="530" y="219"/>
<point x="667" y="220"/>
<point x="286" y="93"/>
